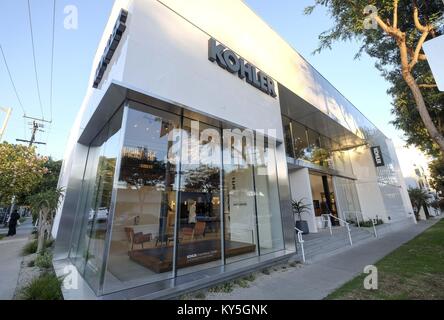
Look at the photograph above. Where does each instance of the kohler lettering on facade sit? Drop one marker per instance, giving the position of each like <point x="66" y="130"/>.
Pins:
<point x="229" y="61"/>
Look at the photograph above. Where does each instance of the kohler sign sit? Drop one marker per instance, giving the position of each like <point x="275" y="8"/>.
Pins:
<point x="234" y="64"/>
<point x="377" y="156"/>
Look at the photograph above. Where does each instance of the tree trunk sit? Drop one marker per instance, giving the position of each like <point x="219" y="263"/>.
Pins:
<point x="422" y="109"/>
<point x="42" y="230"/>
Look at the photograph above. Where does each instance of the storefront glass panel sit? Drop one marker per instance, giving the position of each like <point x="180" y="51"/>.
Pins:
<point x="348" y="201"/>
<point x="199" y="238"/>
<point x="267" y="199"/>
<point x="239" y="197"/>
<point x="141" y="249"/>
<point x="174" y="192"/>
<point x="300" y="139"/>
<point x="96" y="202"/>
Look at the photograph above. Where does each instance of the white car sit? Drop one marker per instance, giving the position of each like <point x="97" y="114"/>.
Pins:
<point x="100" y="214"/>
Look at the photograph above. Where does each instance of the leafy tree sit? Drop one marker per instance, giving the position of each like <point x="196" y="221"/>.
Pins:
<point x="21" y="169"/>
<point x="51" y="177"/>
<point x="407" y="117"/>
<point x="402" y="26"/>
<point x="49" y="181"/>
<point x="437" y="173"/>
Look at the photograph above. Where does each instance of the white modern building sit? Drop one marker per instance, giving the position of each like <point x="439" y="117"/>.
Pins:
<point x="414" y="167"/>
<point x="200" y="125"/>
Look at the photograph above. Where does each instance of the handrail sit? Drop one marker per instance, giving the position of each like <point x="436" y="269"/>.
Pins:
<point x="301" y="242"/>
<point x="356" y="214"/>
<point x="363" y="220"/>
<point x="347" y="225"/>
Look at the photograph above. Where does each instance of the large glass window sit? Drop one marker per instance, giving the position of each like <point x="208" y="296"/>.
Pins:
<point x="239" y="196"/>
<point x="267" y="198"/>
<point x="96" y="202"/>
<point x="348" y="199"/>
<point x="288" y="135"/>
<point x="199" y="240"/>
<point x="307" y="144"/>
<point x="174" y="192"/>
<point x="300" y="139"/>
<point x="141" y="248"/>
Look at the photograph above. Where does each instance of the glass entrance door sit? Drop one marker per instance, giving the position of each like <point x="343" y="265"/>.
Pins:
<point x="324" y="200"/>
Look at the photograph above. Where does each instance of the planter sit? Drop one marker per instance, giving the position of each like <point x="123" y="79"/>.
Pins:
<point x="303" y="226"/>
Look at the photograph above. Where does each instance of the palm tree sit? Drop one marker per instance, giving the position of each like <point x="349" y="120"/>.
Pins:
<point x="299" y="207"/>
<point x="45" y="204"/>
<point x="419" y="199"/>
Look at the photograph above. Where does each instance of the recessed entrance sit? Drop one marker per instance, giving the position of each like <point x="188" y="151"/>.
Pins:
<point x="324" y="201"/>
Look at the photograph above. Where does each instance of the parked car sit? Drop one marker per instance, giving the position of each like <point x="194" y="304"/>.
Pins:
<point x="100" y="214"/>
<point x="98" y="219"/>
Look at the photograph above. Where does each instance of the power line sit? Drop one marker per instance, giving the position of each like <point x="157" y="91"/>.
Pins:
<point x="52" y="55"/>
<point x="24" y="126"/>
<point x="33" y="55"/>
<point x="12" y="81"/>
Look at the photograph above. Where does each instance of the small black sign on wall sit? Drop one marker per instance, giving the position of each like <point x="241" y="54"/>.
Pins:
<point x="377" y="156"/>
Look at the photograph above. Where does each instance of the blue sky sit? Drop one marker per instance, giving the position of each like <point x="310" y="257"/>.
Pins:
<point x="358" y="80"/>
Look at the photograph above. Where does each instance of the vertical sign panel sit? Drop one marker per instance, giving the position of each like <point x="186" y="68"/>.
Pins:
<point x="377" y="156"/>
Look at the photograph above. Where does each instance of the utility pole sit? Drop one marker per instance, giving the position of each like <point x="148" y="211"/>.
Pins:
<point x="5" y="122"/>
<point x="35" y="127"/>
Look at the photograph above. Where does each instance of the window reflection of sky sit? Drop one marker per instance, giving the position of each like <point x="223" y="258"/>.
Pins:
<point x="147" y="132"/>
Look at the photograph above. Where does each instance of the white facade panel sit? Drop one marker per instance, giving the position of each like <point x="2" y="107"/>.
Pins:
<point x="175" y="66"/>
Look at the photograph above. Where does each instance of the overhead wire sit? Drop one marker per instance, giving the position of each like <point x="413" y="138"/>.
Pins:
<point x="34" y="59"/>
<point x="51" y="94"/>
<point x="12" y="81"/>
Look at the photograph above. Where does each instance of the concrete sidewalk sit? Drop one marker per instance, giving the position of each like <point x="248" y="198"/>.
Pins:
<point x="316" y="281"/>
<point x="11" y="258"/>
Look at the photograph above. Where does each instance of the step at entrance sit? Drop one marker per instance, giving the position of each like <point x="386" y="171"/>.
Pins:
<point x="322" y="244"/>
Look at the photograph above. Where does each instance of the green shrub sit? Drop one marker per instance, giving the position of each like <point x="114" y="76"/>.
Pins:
<point x="2" y="236"/>
<point x="251" y="277"/>
<point x="45" y="287"/>
<point x="369" y="224"/>
<point x="200" y="295"/>
<point x="49" y="243"/>
<point x="266" y="271"/>
<point x="241" y="283"/>
<point x="226" y="287"/>
<point x="44" y="260"/>
<point x="31" y="264"/>
<point x="22" y="219"/>
<point x="30" y="248"/>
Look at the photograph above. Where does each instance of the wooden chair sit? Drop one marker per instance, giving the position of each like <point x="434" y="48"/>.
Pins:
<point x="194" y="233"/>
<point x="199" y="229"/>
<point x="137" y="238"/>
